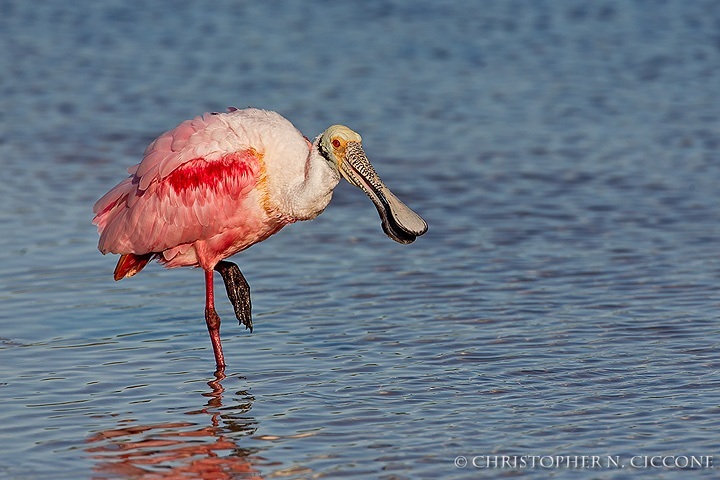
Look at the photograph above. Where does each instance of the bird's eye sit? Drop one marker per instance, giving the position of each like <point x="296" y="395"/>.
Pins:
<point x="336" y="143"/>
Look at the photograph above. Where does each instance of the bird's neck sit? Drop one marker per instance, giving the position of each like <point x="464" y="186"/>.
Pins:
<point x="310" y="197"/>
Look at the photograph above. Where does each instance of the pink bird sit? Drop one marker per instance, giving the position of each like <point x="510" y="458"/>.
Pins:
<point x="221" y="182"/>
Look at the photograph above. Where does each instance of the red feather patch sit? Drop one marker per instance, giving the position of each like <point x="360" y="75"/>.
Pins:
<point x="215" y="175"/>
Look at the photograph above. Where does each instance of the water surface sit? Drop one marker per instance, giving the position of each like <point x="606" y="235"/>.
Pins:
<point x="564" y="301"/>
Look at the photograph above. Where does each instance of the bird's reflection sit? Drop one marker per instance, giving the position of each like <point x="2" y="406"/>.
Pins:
<point x="186" y="449"/>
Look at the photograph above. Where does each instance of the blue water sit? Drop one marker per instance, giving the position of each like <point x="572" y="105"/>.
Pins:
<point x="565" y="300"/>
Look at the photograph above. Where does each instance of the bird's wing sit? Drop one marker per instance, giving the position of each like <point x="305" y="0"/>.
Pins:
<point x="208" y="136"/>
<point x="191" y="181"/>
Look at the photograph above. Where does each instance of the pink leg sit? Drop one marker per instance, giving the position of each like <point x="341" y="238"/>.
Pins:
<point x="213" y="320"/>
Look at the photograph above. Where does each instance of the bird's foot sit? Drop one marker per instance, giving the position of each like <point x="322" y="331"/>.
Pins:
<point x="238" y="291"/>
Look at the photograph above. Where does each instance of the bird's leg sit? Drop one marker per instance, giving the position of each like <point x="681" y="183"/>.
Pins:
<point x="213" y="321"/>
<point x="238" y="291"/>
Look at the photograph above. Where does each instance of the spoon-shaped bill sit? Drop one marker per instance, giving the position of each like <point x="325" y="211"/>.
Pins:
<point x="399" y="222"/>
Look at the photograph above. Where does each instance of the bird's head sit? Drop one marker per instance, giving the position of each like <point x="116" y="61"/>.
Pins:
<point x="342" y="148"/>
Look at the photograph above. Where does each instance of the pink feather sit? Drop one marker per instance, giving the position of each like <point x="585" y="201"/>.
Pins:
<point x="192" y="185"/>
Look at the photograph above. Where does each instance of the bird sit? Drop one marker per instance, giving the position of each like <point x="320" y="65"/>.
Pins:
<point x="221" y="182"/>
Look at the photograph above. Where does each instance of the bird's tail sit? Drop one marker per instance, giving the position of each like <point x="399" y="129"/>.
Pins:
<point x="130" y="264"/>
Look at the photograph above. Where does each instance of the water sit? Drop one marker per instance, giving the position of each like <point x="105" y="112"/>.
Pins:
<point x="566" y="156"/>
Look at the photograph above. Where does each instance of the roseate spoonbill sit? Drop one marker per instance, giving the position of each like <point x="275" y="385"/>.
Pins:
<point x="221" y="182"/>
